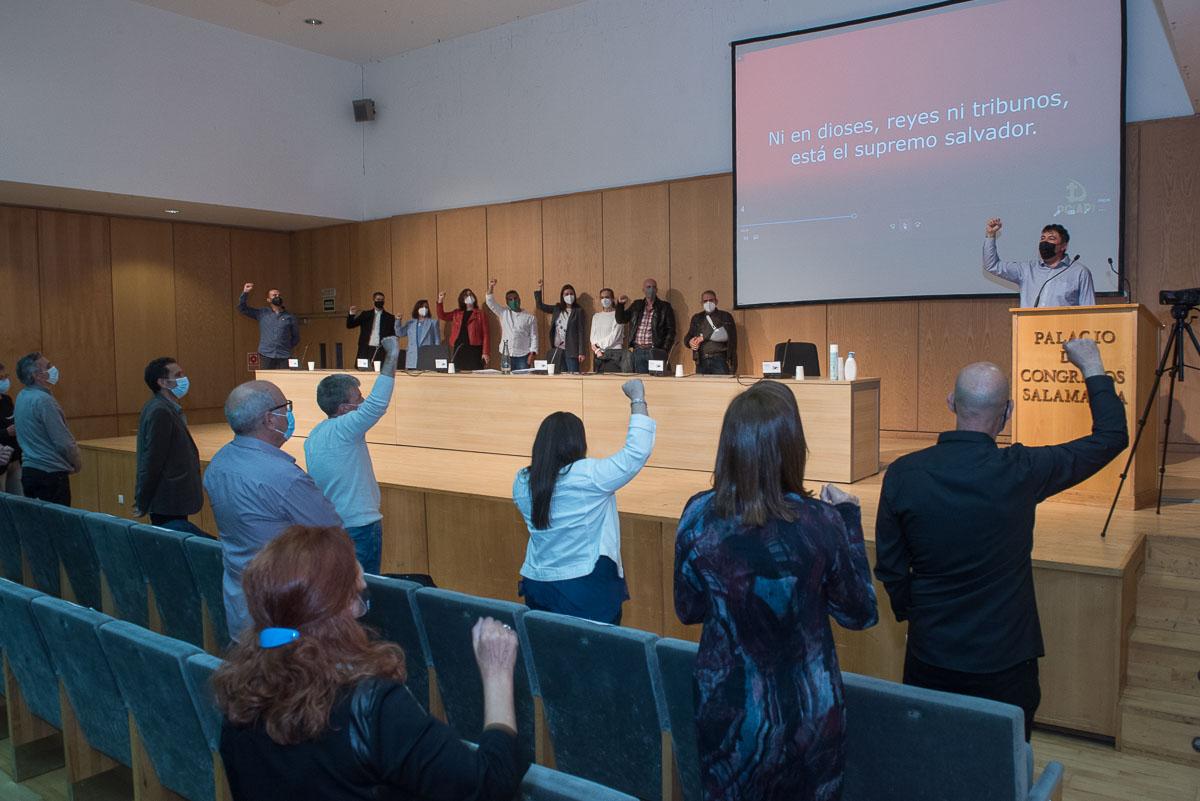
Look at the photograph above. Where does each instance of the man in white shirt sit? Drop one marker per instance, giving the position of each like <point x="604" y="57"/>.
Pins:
<point x="518" y="329"/>
<point x="337" y="458"/>
<point x="608" y="336"/>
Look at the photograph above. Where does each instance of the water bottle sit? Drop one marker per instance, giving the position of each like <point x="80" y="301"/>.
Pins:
<point x="833" y="362"/>
<point x="851" y="367"/>
<point x="505" y="361"/>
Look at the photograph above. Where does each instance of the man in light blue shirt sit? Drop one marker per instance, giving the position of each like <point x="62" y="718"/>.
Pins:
<point x="1054" y="280"/>
<point x="337" y="456"/>
<point x="256" y="489"/>
<point x="50" y="453"/>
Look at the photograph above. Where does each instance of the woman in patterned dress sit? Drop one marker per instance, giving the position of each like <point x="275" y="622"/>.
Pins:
<point x="763" y="565"/>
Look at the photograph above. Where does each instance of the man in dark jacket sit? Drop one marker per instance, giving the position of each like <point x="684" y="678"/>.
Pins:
<point x="652" y="333"/>
<point x="373" y="325"/>
<point x="954" y="535"/>
<point x="712" y="336"/>
<point x="168" y="464"/>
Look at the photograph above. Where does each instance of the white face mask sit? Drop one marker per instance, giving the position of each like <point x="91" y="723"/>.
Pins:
<point x="181" y="387"/>
<point x="568" y="299"/>
<point x="5" y="386"/>
<point x="606" y="302"/>
<point x="468" y="301"/>
<point x="423" y="311"/>
<point x="52" y="375"/>
<point x="709" y="306"/>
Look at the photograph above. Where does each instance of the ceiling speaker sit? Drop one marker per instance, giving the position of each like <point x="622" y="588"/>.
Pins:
<point x="364" y="110"/>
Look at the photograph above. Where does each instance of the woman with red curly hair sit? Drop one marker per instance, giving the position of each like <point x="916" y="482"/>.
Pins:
<point x="315" y="708"/>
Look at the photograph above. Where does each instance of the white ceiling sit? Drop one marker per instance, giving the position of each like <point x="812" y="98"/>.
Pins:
<point x="360" y="30"/>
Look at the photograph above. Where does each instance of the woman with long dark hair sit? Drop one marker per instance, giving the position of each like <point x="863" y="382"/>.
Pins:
<point x="421" y="330"/>
<point x="763" y="565"/>
<point x="569" y="502"/>
<point x="314" y="708"/>
<point x="469" y="339"/>
<point x="567" y="343"/>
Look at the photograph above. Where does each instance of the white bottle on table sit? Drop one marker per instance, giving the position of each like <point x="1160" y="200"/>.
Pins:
<point x="851" y="367"/>
<point x="833" y="362"/>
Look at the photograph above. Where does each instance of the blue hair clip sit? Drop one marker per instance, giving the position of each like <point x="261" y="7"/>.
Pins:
<point x="274" y="638"/>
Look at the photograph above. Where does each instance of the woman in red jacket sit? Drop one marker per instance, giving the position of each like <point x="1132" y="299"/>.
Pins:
<point x="469" y="339"/>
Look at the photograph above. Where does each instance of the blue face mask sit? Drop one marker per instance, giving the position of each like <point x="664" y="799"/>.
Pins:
<point x="5" y="386"/>
<point x="181" y="387"/>
<point x="291" y="424"/>
<point x="52" y="375"/>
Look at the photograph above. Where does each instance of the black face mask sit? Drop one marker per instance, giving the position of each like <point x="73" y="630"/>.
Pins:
<point x="1046" y="250"/>
<point x="379" y="304"/>
<point x="277" y="300"/>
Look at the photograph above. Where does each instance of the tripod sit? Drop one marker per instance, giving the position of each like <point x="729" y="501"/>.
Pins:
<point x="1172" y="355"/>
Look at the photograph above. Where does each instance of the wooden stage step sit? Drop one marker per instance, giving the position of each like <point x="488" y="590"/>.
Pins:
<point x="1164" y="660"/>
<point x="1160" y="724"/>
<point x="1176" y="556"/>
<point x="1169" y="602"/>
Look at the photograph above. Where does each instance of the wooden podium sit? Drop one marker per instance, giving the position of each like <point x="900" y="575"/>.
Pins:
<point x="1051" y="398"/>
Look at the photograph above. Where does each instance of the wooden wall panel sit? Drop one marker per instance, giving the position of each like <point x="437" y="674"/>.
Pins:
<point x="304" y="276"/>
<point x="77" y="310"/>
<point x="264" y="259"/>
<point x="884" y="337"/>
<point x="461" y="256"/>
<point x="572" y="252"/>
<point x="701" y="255"/>
<point x="514" y="257"/>
<point x="762" y="329"/>
<point x="144" y="304"/>
<point x="953" y="334"/>
<point x="331" y="267"/>
<point x="21" y="322"/>
<point x="370" y="262"/>
<point x="1168" y="241"/>
<point x="637" y="239"/>
<point x="204" y="314"/>
<point x="414" y="261"/>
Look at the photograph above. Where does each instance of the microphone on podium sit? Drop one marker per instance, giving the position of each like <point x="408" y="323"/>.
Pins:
<point x="1061" y="270"/>
<point x="303" y="354"/>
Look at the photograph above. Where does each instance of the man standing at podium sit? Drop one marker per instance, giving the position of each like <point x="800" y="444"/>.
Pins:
<point x="278" y="331"/>
<point x="1055" y="279"/>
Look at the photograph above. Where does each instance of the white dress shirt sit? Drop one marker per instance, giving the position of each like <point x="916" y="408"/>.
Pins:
<point x="374" y="341"/>
<point x="518" y="328"/>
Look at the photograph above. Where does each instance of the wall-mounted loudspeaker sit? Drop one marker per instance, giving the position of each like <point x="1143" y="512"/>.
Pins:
<point x="364" y="110"/>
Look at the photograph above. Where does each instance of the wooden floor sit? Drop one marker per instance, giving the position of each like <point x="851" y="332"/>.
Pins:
<point x="1094" y="772"/>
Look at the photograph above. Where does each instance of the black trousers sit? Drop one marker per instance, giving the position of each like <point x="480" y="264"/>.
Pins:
<point x="1017" y="685"/>
<point x="50" y="487"/>
<point x="272" y="363"/>
<point x="713" y="365"/>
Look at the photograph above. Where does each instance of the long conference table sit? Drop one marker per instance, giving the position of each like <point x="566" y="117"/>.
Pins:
<point x="447" y="452"/>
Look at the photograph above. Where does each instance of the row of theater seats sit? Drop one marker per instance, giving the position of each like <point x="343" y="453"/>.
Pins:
<point x="613" y="706"/>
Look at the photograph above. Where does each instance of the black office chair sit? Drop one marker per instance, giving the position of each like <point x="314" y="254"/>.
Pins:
<point x="798" y="354"/>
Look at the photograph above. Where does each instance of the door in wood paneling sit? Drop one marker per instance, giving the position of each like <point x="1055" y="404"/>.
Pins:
<point x="370" y="262"/>
<point x="77" y="310"/>
<point x="21" y="322"/>
<point x="884" y="339"/>
<point x="637" y="240"/>
<point x="204" y="314"/>
<point x="144" y="304"/>
<point x="701" y="256"/>
<point x="955" y="333"/>
<point x="572" y="250"/>
<point x="264" y="259"/>
<point x="414" y="261"/>
<point x="514" y="246"/>
<point x="461" y="255"/>
<point x="330" y="267"/>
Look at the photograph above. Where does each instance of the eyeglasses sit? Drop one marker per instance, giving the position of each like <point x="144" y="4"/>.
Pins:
<point x="285" y="405"/>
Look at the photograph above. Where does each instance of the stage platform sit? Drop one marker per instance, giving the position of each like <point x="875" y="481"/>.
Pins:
<point x="450" y="514"/>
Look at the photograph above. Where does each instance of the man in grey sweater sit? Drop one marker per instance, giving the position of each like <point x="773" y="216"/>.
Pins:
<point x="50" y="453"/>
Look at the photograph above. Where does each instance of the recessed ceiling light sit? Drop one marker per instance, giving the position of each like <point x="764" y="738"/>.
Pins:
<point x="171" y="211"/>
<point x="313" y="21"/>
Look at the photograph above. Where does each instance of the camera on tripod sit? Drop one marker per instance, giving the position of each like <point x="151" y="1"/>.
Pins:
<point x="1179" y="297"/>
